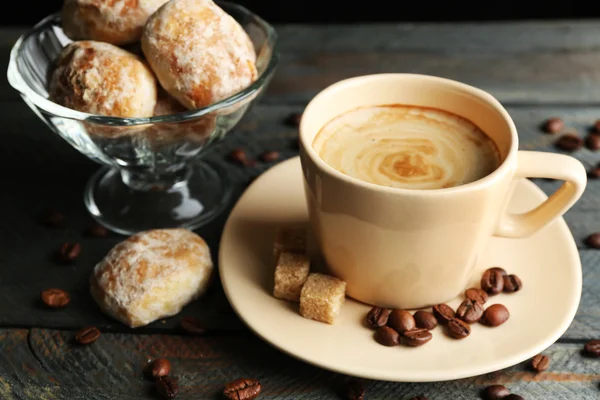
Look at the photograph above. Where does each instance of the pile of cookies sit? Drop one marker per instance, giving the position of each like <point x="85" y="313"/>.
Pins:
<point x="193" y="54"/>
<point x="320" y="296"/>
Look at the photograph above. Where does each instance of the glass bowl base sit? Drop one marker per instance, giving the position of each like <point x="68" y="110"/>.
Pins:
<point x="189" y="203"/>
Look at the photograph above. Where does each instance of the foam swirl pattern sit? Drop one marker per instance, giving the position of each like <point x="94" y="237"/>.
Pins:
<point x="407" y="147"/>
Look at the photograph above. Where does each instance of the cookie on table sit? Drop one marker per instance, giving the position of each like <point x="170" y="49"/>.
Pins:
<point x="100" y="78"/>
<point x="117" y="22"/>
<point x="198" y="52"/>
<point x="322" y="297"/>
<point x="151" y="275"/>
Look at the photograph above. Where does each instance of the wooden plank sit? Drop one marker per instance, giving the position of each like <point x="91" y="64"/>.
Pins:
<point x="52" y="174"/>
<point x="112" y="368"/>
<point x="533" y="62"/>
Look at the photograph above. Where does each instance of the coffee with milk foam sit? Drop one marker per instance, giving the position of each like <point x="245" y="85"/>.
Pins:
<point x="407" y="147"/>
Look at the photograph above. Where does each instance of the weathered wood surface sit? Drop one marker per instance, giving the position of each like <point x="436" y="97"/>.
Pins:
<point x="52" y="174"/>
<point x="542" y="62"/>
<point x="46" y="365"/>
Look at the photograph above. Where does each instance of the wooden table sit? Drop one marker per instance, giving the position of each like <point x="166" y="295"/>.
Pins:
<point x="536" y="69"/>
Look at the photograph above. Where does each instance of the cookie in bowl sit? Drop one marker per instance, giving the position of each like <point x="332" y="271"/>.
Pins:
<point x="199" y="53"/>
<point x="113" y="21"/>
<point x="151" y="275"/>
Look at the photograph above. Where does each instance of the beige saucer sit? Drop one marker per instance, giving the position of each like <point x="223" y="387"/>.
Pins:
<point x="548" y="264"/>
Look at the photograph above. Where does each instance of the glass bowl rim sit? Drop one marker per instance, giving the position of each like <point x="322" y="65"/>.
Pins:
<point x="18" y="83"/>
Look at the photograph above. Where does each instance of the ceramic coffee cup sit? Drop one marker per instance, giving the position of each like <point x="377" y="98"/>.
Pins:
<point x="406" y="248"/>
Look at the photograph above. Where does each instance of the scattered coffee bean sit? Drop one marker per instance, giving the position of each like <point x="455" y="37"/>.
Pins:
<point x="192" y="326"/>
<point x="242" y="389"/>
<point x="495" y="315"/>
<point x="513" y="397"/>
<point x="492" y="281"/>
<point x="512" y="283"/>
<point x="540" y="363"/>
<point x="477" y="295"/>
<point x="96" y="230"/>
<point x="387" y="336"/>
<point x="592" y="141"/>
<point x="401" y="321"/>
<point x="87" y="335"/>
<point x="377" y="317"/>
<point x="239" y="156"/>
<point x="68" y="252"/>
<point x="269" y="156"/>
<point x="495" y="392"/>
<point x="553" y="125"/>
<point x="443" y="313"/>
<point x="294" y="119"/>
<point x="469" y="311"/>
<point x="592" y="349"/>
<point x="594" y="173"/>
<point x="354" y="390"/>
<point x="159" y="368"/>
<point x="167" y="387"/>
<point x="55" y="298"/>
<point x="419" y="398"/>
<point x="416" y="337"/>
<point x="501" y="270"/>
<point x="53" y="219"/>
<point x="425" y="320"/>
<point x="458" y="329"/>
<point x="596" y="127"/>
<point x="593" y="241"/>
<point x="569" y="142"/>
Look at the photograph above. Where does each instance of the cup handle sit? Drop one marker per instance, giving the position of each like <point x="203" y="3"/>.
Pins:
<point x="535" y="164"/>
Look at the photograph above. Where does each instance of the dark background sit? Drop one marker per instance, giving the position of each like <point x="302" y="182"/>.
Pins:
<point x="28" y="12"/>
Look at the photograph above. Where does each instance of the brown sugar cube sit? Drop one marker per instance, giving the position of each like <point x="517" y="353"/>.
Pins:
<point x="322" y="297"/>
<point x="291" y="240"/>
<point x="290" y="274"/>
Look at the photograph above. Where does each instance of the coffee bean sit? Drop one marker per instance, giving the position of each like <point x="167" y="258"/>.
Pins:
<point x="495" y="315"/>
<point x="55" y="298"/>
<point x="495" y="392"/>
<point x="269" y="156"/>
<point x="592" y="141"/>
<point x="443" y="313"/>
<point x="239" y="156"/>
<point x="492" y="281"/>
<point x="242" y="389"/>
<point x="159" y="368"/>
<point x="387" y="336"/>
<point x="354" y="390"/>
<point x="192" y="326"/>
<point x="401" y="321"/>
<point x="540" y="363"/>
<point x="416" y="337"/>
<point x="569" y="142"/>
<point x="596" y="127"/>
<point x="512" y="283"/>
<point x="377" y="317"/>
<point x="419" y="398"/>
<point x="498" y="269"/>
<point x="96" y="230"/>
<point x="513" y="397"/>
<point x="477" y="295"/>
<point x="167" y="387"/>
<point x="293" y="119"/>
<point x="458" y="329"/>
<point x="592" y="349"/>
<point x="425" y="320"/>
<point x="68" y="252"/>
<point x="53" y="219"/>
<point x="593" y="241"/>
<point x="87" y="335"/>
<point x="553" y="125"/>
<point x="470" y="311"/>
<point x="594" y="173"/>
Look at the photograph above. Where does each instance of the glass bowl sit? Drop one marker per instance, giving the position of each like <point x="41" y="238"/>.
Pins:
<point x="153" y="174"/>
